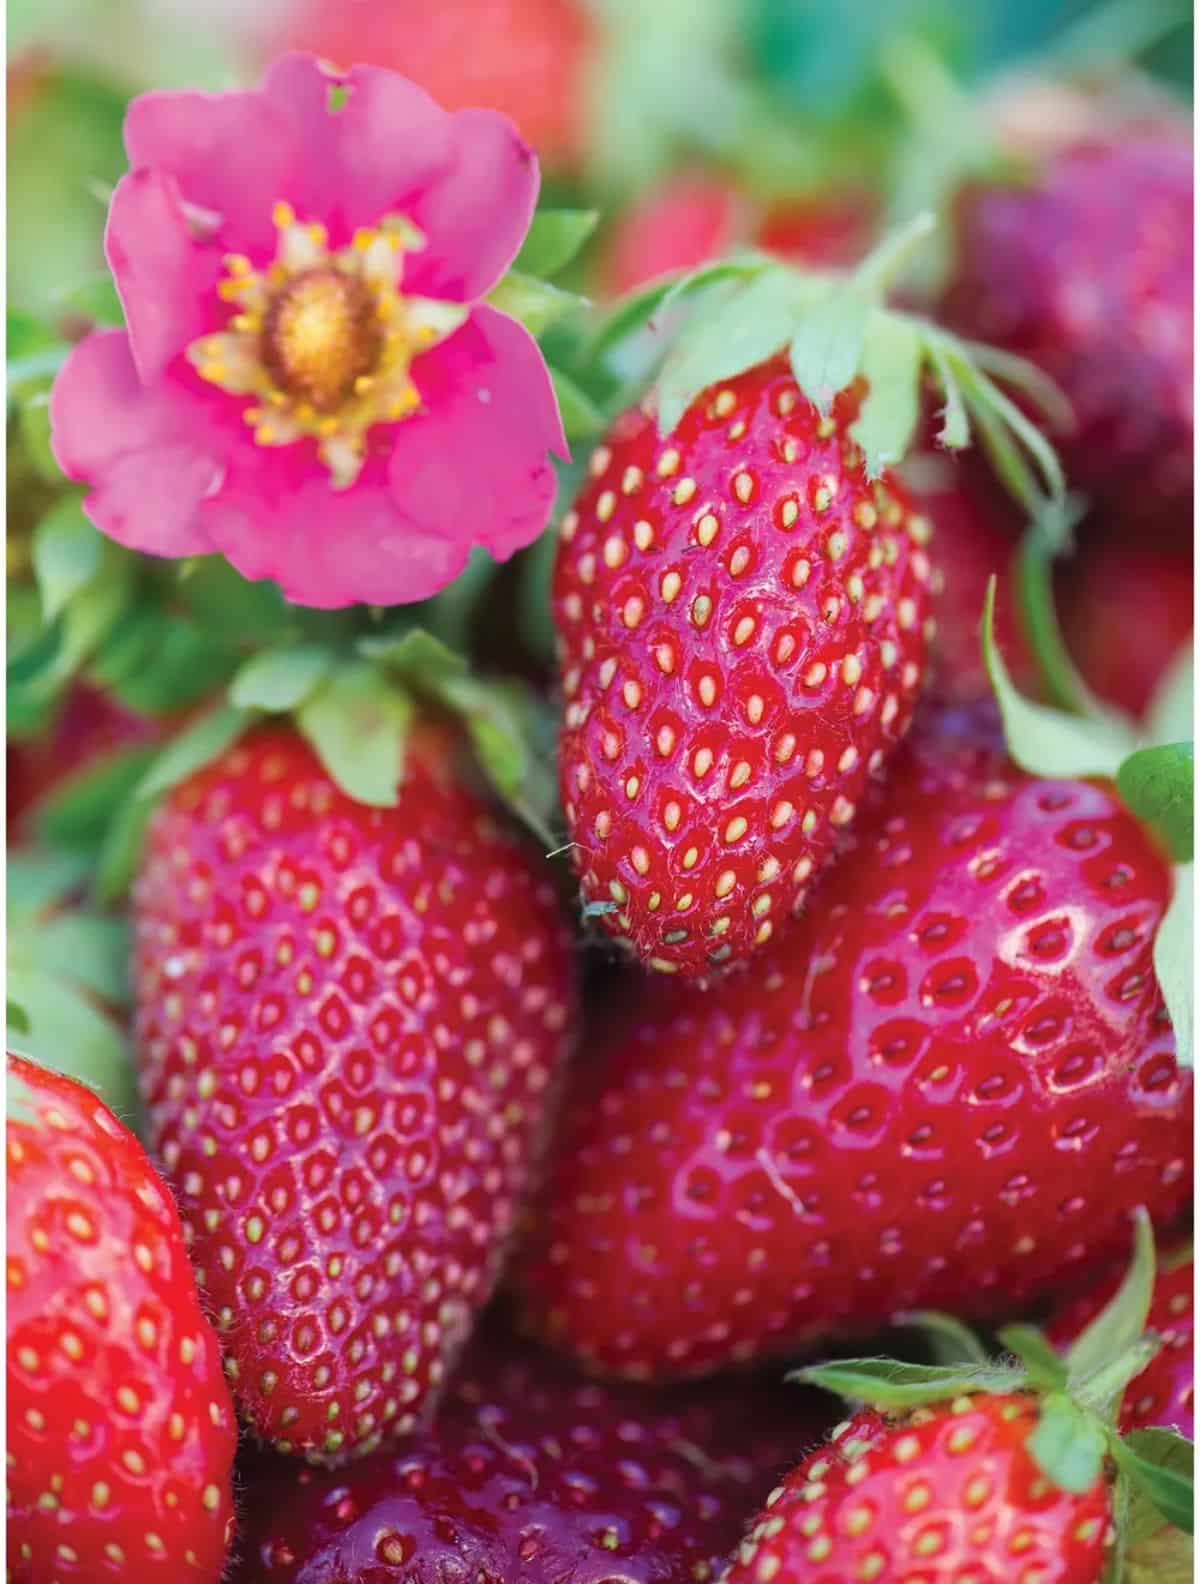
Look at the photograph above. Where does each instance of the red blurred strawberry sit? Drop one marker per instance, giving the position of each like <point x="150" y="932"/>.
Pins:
<point x="524" y="57"/>
<point x="743" y="620"/>
<point x="1126" y="611"/>
<point x="1088" y="271"/>
<point x="350" y="1022"/>
<point x="944" y="1088"/>
<point x="531" y="1474"/>
<point x="91" y="725"/>
<point x="120" y="1429"/>
<point x="977" y="529"/>
<point x="941" y="1495"/>
<point x="1163" y="1394"/>
<point x="695" y="217"/>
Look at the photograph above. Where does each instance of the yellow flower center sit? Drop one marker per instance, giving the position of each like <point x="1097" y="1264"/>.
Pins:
<point x="320" y="334"/>
<point x="324" y="341"/>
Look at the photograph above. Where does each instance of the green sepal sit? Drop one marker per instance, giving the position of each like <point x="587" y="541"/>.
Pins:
<point x="357" y="723"/>
<point x="228" y="606"/>
<point x="1157" y="785"/>
<point x="1045" y="741"/>
<point x="827" y="344"/>
<point x="1170" y="716"/>
<point x="889" y="1383"/>
<point x="1068" y="1444"/>
<point x="37" y="879"/>
<point x="157" y="662"/>
<point x="204" y="740"/>
<point x="1063" y="686"/>
<point x="1046" y="1369"/>
<point x="1174" y="962"/>
<point x="533" y="302"/>
<point x="417" y="656"/>
<point x="280" y="679"/>
<point x="581" y="418"/>
<point x="78" y="814"/>
<point x="891" y="364"/>
<point x="121" y="849"/>
<point x="1159" y="1466"/>
<point x="1122" y="1321"/>
<point x="554" y="237"/>
<point x="514" y="744"/>
<point x="950" y="1339"/>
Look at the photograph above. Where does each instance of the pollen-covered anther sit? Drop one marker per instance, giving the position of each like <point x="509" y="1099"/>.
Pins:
<point x="324" y="340"/>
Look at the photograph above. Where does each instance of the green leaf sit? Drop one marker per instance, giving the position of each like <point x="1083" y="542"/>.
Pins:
<point x="1159" y="1464"/>
<point x="891" y="363"/>
<point x="40" y="364"/>
<point x="69" y="1034"/>
<point x="415" y="654"/>
<point x="357" y="722"/>
<point x="1157" y="785"/>
<point x="95" y="298"/>
<point x="92" y="613"/>
<point x="632" y="314"/>
<point x="16" y="1018"/>
<point x="1123" y="1319"/>
<point x="1171" y="714"/>
<point x="1045" y="741"/>
<point x="827" y="344"/>
<point x="514" y="743"/>
<point x="1174" y="963"/>
<point x="88" y="949"/>
<point x="184" y="666"/>
<point x="1162" y="1555"/>
<point x="950" y="1339"/>
<point x="889" y="1383"/>
<point x="229" y="606"/>
<point x="66" y="554"/>
<point x="553" y="239"/>
<point x="1026" y="1342"/>
<point x="452" y="611"/>
<point x="535" y="303"/>
<point x="79" y="813"/>
<point x="121" y="848"/>
<point x="37" y="879"/>
<point x="1068" y="1444"/>
<point x="581" y="418"/>
<point x="280" y="679"/>
<point x="743" y="324"/>
<point x="198" y="744"/>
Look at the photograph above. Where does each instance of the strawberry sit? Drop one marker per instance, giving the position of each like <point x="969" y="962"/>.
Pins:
<point x="939" y="1494"/>
<point x="532" y="1473"/>
<point x="743" y="621"/>
<point x="1087" y="270"/>
<point x="1163" y="1394"/>
<point x="694" y="217"/>
<point x="526" y="58"/>
<point x="944" y="1088"/>
<point x="976" y="1471"/>
<point x="349" y="1024"/>
<point x="121" y="1431"/>
<point x="1126" y="611"/>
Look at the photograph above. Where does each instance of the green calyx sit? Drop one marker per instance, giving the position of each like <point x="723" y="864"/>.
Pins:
<point x="1079" y="1392"/>
<point x="836" y="328"/>
<point x="67" y="968"/>
<point x="356" y="703"/>
<point x="1077" y="737"/>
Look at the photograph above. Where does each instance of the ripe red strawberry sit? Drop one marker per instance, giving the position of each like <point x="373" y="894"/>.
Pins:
<point x="743" y="621"/>
<point x="695" y="217"/>
<point x="1126" y="611"/>
<point x="1163" y="1394"/>
<point x="350" y="1022"/>
<point x="1088" y="271"/>
<point x="944" y="1088"/>
<point x="524" y="57"/>
<point x="530" y="1474"/>
<point x="941" y="1495"/>
<point x="121" y="1432"/>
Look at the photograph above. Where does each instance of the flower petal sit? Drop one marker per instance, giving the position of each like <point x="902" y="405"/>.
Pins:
<point x="476" y="214"/>
<point x="474" y="457"/>
<point x="233" y="153"/>
<point x="166" y="279"/>
<point x="148" y="451"/>
<point x="279" y="517"/>
<point x="372" y="157"/>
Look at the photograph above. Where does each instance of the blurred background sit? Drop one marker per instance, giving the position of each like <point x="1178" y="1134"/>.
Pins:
<point x="752" y="102"/>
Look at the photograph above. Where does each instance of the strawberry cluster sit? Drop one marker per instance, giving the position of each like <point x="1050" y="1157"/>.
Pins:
<point x="487" y="1006"/>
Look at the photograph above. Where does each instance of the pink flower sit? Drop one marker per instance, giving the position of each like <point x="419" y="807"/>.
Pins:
<point x="310" y="383"/>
